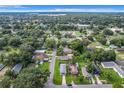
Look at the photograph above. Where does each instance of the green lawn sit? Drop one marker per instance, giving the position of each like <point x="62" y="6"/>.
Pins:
<point x="94" y="44"/>
<point x="110" y="76"/>
<point x="81" y="80"/>
<point x="45" y="66"/>
<point x="120" y="55"/>
<point x="57" y="77"/>
<point x="49" y="51"/>
<point x="78" y="33"/>
<point x="69" y="79"/>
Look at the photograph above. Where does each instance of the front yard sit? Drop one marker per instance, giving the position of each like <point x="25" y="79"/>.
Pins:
<point x="57" y="79"/>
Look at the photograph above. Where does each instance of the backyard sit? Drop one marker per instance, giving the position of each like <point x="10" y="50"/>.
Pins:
<point x="45" y="66"/>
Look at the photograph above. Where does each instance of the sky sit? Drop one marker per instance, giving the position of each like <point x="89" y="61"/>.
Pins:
<point x="62" y="8"/>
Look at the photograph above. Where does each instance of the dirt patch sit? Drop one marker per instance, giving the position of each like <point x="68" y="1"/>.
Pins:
<point x="31" y="65"/>
<point x="3" y="71"/>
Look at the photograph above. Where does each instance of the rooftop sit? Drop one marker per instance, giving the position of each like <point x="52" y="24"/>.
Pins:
<point x="1" y="66"/>
<point x="114" y="66"/>
<point x="17" y="68"/>
<point x="63" y="68"/>
<point x="39" y="51"/>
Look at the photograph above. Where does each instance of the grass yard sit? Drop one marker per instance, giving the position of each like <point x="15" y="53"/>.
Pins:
<point x="120" y="55"/>
<point x="69" y="79"/>
<point x="78" y="33"/>
<point x="110" y="76"/>
<point x="116" y="36"/>
<point x="45" y="66"/>
<point x="81" y="80"/>
<point x="48" y="51"/>
<point x="94" y="44"/>
<point x="57" y="79"/>
<point x="63" y="62"/>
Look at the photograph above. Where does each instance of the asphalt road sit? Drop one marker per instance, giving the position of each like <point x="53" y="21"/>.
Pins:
<point x="52" y="66"/>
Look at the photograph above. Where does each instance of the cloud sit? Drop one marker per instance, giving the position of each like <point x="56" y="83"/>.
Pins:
<point x="79" y="10"/>
<point x="58" y="9"/>
<point x="12" y="6"/>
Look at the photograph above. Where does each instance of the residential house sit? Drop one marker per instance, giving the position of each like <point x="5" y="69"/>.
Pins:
<point x="65" y="58"/>
<point x="112" y="46"/>
<point x="73" y="69"/>
<point x="66" y="50"/>
<point x="63" y="69"/>
<point x="120" y="49"/>
<point x="40" y="56"/>
<point x="114" y="66"/>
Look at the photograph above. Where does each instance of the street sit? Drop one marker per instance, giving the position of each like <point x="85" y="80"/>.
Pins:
<point x="52" y="66"/>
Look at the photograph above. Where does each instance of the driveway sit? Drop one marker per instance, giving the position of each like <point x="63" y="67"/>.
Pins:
<point x="98" y="80"/>
<point x="63" y="80"/>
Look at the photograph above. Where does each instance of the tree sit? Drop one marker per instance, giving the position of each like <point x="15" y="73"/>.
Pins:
<point x="6" y="82"/>
<point x="14" y="41"/>
<point x="101" y="55"/>
<point x="108" y="32"/>
<point x="117" y="85"/>
<point x="51" y="43"/>
<point x="90" y="38"/>
<point x="33" y="78"/>
<point x="90" y="68"/>
<point x="77" y="45"/>
<point x="102" y="40"/>
<point x="11" y="56"/>
<point x="117" y="41"/>
<point x="3" y="43"/>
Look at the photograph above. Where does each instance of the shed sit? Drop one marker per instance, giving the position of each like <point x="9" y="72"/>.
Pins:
<point x="17" y="68"/>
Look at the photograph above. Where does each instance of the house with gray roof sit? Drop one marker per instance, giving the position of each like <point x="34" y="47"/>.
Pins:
<point x="63" y="69"/>
<point x="114" y="66"/>
<point x="17" y="68"/>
